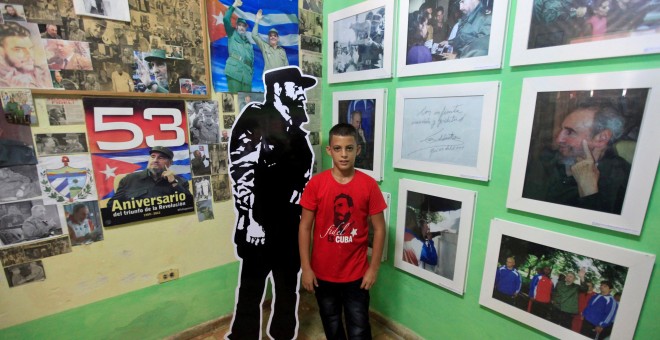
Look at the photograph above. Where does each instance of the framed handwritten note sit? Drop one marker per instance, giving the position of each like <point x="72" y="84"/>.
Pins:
<point x="446" y="130"/>
<point x="365" y="110"/>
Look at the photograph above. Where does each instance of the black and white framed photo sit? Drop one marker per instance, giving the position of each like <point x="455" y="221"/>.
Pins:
<point x="568" y="287"/>
<point x="365" y="110"/>
<point x="546" y="32"/>
<point x="446" y="130"/>
<point x="585" y="148"/>
<point x="450" y="36"/>
<point x="27" y="221"/>
<point x="105" y="9"/>
<point x="361" y="37"/>
<point x="388" y="200"/>
<point x="434" y="227"/>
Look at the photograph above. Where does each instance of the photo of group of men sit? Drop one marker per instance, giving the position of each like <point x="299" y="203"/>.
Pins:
<point x="561" y="22"/>
<point x="94" y="54"/>
<point x="574" y="291"/>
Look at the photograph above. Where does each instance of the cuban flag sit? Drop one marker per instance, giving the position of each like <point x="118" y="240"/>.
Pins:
<point x="281" y="15"/>
<point x="109" y="166"/>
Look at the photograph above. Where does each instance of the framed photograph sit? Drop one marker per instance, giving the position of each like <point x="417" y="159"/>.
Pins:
<point x="434" y="227"/>
<point x="589" y="30"/>
<point x="602" y="283"/>
<point x="388" y="199"/>
<point x="365" y="110"/>
<point x="106" y="9"/>
<point x="454" y="36"/>
<point x="28" y="221"/>
<point x="446" y="130"/>
<point x="585" y="148"/>
<point x="361" y="37"/>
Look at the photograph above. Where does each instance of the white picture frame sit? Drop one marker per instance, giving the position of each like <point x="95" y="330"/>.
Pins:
<point x="491" y="60"/>
<point x="450" y="230"/>
<point x="388" y="200"/>
<point x="373" y="106"/>
<point x="639" y="266"/>
<point x="644" y="156"/>
<point x="446" y="130"/>
<point x="113" y="10"/>
<point x="343" y="33"/>
<point x="617" y="44"/>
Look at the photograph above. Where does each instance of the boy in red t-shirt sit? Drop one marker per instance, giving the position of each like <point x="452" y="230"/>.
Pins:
<point x="338" y="202"/>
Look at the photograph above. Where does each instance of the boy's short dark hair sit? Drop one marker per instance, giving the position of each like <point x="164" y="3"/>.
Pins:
<point x="344" y="130"/>
<point x="607" y="283"/>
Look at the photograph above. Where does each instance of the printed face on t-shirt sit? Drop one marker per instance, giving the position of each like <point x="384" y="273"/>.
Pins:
<point x="343" y="208"/>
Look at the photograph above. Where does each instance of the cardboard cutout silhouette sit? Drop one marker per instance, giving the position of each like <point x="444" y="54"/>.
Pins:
<point x="271" y="160"/>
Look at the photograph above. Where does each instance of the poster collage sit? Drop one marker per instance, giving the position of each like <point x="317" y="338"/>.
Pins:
<point x="111" y="162"/>
<point x="60" y="190"/>
<point x="111" y="46"/>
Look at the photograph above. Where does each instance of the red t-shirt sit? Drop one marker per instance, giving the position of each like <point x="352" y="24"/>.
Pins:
<point x="339" y="237"/>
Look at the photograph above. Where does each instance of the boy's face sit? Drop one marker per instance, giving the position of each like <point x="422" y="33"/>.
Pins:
<point x="343" y="150"/>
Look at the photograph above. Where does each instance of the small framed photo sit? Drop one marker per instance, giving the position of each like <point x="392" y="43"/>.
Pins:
<point x="361" y="37"/>
<point x="104" y="9"/>
<point x="365" y="110"/>
<point x="446" y="130"/>
<point x="388" y="199"/>
<point x="587" y="30"/>
<point x="585" y="148"/>
<point x="456" y="36"/>
<point x="562" y="285"/>
<point x="434" y="227"/>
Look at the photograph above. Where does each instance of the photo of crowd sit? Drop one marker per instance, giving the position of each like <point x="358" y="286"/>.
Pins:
<point x="561" y="22"/>
<point x="577" y="292"/>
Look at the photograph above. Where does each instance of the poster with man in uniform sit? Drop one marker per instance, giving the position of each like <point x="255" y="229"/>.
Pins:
<point x="140" y="158"/>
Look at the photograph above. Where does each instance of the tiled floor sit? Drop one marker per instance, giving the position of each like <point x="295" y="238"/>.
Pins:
<point x="310" y="327"/>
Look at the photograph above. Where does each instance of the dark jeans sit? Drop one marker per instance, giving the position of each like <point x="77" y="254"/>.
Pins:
<point x="589" y="331"/>
<point x="542" y="309"/>
<point x="255" y="269"/>
<point x="563" y="318"/>
<point x="333" y="298"/>
<point x="504" y="297"/>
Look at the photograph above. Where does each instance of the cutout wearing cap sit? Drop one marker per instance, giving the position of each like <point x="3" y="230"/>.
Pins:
<point x="272" y="30"/>
<point x="289" y="74"/>
<point x="164" y="150"/>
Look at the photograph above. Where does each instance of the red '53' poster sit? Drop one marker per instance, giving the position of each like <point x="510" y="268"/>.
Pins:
<point x="140" y="158"/>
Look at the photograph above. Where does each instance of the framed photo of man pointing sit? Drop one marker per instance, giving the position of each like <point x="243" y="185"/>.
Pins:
<point x="584" y="150"/>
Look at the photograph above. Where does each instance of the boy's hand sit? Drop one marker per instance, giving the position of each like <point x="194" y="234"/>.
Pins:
<point x="369" y="279"/>
<point x="309" y="280"/>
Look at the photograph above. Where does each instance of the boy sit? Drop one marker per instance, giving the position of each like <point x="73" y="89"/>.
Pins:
<point x="339" y="201"/>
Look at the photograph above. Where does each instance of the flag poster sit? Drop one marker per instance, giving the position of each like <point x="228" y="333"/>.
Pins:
<point x="276" y="16"/>
<point x="140" y="158"/>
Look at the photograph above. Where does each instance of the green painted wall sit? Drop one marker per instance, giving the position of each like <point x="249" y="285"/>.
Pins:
<point x="434" y="312"/>
<point x="151" y="313"/>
